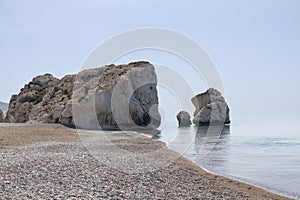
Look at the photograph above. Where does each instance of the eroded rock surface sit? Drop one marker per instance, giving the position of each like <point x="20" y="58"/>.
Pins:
<point x="122" y="96"/>
<point x="211" y="108"/>
<point x="1" y="116"/>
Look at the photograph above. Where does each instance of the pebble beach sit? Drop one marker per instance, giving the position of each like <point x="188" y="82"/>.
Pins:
<point x="56" y="162"/>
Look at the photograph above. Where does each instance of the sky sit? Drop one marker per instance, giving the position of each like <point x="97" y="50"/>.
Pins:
<point x="254" y="44"/>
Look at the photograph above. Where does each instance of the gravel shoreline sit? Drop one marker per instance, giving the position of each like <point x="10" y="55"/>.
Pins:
<point x="55" y="162"/>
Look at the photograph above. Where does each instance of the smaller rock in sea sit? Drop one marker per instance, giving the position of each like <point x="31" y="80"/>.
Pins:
<point x="184" y="119"/>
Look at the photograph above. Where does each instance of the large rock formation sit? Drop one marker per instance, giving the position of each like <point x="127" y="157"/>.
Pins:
<point x="184" y="119"/>
<point x="122" y="96"/>
<point x="211" y="108"/>
<point x="1" y="116"/>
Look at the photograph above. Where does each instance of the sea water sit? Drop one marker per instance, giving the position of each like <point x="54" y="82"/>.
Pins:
<point x="262" y="153"/>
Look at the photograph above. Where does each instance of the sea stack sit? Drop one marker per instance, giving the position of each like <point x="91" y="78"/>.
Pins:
<point x="184" y="119"/>
<point x="211" y="108"/>
<point x="113" y="96"/>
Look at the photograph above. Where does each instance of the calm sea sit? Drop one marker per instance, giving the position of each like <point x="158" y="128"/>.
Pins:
<point x="263" y="153"/>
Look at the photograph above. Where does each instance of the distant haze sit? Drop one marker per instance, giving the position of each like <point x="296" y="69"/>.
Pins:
<point x="3" y="106"/>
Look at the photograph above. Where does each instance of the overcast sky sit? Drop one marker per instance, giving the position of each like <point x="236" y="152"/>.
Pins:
<point x="255" y="44"/>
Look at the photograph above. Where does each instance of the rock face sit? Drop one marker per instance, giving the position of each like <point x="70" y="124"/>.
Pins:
<point x="211" y="108"/>
<point x="1" y="116"/>
<point x="30" y="104"/>
<point x="122" y="96"/>
<point x="184" y="119"/>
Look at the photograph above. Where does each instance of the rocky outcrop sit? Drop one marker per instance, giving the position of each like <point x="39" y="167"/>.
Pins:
<point x="184" y="119"/>
<point x="1" y="116"/>
<point x="125" y="97"/>
<point x="211" y="108"/>
<point x="29" y="104"/>
<point x="114" y="96"/>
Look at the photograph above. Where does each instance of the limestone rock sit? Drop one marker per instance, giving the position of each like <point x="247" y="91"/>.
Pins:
<point x="122" y="96"/>
<point x="1" y="116"/>
<point x="184" y="119"/>
<point x="27" y="105"/>
<point x="211" y="108"/>
<point x="125" y="97"/>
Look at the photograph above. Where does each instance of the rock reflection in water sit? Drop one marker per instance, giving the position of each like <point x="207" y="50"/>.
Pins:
<point x="211" y="140"/>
